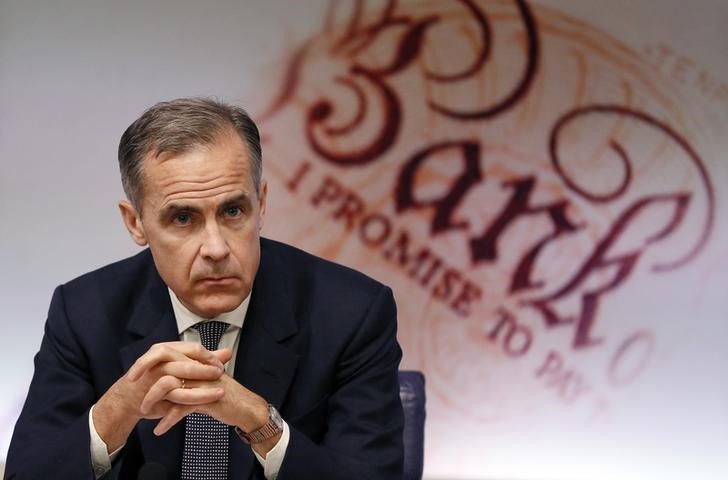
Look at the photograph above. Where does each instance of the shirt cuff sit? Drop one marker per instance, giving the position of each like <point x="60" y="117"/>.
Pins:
<point x="274" y="459"/>
<point x="100" y="457"/>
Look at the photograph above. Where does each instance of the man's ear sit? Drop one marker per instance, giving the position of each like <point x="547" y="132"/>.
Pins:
<point x="133" y="223"/>
<point x="261" y="201"/>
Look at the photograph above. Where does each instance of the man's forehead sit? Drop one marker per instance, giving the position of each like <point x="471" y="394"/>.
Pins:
<point x="204" y="172"/>
<point x="219" y="156"/>
<point x="166" y="202"/>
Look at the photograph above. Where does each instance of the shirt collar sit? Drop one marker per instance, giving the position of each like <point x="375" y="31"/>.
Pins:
<point x="186" y="319"/>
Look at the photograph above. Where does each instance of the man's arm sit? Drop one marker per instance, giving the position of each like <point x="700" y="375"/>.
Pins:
<point x="363" y="437"/>
<point x="51" y="438"/>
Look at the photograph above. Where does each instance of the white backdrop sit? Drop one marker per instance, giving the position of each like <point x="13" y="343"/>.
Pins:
<point x="74" y="74"/>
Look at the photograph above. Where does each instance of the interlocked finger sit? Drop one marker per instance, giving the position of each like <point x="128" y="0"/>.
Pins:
<point x="170" y="352"/>
<point x="174" y="415"/>
<point x="158" y="391"/>
<point x="188" y="369"/>
<point x="196" y="393"/>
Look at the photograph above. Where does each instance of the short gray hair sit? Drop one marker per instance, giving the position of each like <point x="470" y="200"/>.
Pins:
<point x="177" y="127"/>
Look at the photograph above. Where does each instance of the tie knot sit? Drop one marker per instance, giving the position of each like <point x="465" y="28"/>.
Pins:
<point x="211" y="333"/>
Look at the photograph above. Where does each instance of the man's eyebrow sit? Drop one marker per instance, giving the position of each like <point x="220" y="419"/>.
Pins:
<point x="174" y="208"/>
<point x="241" y="199"/>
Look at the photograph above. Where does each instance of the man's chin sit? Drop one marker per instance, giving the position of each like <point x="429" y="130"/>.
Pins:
<point x="215" y="305"/>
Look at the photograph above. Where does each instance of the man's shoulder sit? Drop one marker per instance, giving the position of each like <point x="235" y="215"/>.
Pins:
<point x="110" y="295"/>
<point x="132" y="272"/>
<point x="324" y="295"/>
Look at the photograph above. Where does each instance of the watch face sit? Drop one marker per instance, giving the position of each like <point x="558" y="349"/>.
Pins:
<point x="275" y="417"/>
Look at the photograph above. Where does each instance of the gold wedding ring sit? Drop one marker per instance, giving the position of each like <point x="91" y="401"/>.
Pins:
<point x="183" y="383"/>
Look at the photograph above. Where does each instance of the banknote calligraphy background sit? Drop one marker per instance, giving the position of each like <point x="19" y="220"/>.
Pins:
<point x="541" y="183"/>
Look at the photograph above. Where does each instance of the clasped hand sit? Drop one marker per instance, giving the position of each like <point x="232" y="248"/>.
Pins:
<point x="152" y="389"/>
<point x="171" y="379"/>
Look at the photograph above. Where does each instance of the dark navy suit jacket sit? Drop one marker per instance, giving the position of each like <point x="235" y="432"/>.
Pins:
<point x="318" y="342"/>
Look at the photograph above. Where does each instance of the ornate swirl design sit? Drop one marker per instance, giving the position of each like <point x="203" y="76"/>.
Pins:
<point x="354" y="45"/>
<point x="616" y="110"/>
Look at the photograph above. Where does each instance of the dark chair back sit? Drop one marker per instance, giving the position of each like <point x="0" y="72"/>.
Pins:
<point x="412" y="394"/>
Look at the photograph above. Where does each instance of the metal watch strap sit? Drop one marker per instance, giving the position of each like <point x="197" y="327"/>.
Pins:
<point x="270" y="429"/>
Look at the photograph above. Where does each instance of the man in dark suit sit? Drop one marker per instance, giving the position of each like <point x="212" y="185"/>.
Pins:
<point x="299" y="377"/>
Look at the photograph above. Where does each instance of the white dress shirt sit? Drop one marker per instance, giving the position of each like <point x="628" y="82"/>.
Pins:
<point x="100" y="457"/>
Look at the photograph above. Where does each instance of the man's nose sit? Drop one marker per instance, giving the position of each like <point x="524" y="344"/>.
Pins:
<point x="214" y="245"/>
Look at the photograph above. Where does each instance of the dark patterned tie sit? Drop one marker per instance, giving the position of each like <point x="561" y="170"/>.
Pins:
<point x="205" y="454"/>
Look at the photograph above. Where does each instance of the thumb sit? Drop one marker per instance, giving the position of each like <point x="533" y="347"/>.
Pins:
<point x="223" y="354"/>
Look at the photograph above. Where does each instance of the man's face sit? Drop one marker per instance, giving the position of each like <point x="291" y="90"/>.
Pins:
<point x="201" y="217"/>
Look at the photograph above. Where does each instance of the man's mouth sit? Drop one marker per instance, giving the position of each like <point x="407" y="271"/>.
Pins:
<point x="217" y="281"/>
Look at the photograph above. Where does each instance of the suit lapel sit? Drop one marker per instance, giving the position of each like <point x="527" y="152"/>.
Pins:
<point x="263" y="364"/>
<point x="152" y="321"/>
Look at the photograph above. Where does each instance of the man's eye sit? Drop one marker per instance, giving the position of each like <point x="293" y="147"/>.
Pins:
<point x="233" y="211"/>
<point x="182" y="218"/>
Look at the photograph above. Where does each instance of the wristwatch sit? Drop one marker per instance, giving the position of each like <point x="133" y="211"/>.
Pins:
<point x="270" y="429"/>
